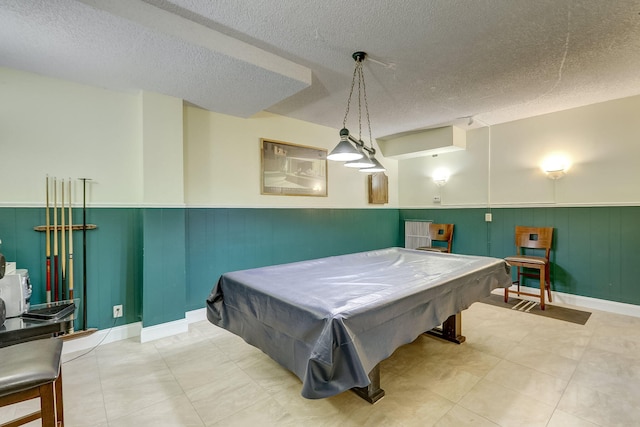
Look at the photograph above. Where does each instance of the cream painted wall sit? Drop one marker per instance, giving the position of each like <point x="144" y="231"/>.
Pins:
<point x="63" y="129"/>
<point x="467" y="184"/>
<point x="131" y="146"/>
<point x="163" y="174"/>
<point x="222" y="162"/>
<point x="602" y="141"/>
<point x="50" y="126"/>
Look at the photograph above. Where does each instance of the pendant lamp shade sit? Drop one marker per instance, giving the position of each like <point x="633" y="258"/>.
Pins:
<point x="344" y="151"/>
<point x="351" y="150"/>
<point x="364" y="162"/>
<point x="377" y="167"/>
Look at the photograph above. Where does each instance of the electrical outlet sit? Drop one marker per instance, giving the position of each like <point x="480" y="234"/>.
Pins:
<point x="117" y="311"/>
<point x="488" y="217"/>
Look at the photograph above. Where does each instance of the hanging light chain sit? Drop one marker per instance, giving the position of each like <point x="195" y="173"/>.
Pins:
<point x="360" y="83"/>
<point x="353" y="82"/>
<point x="344" y="151"/>
<point x="366" y="107"/>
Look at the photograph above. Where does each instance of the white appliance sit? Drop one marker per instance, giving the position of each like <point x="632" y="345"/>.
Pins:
<point x="15" y="290"/>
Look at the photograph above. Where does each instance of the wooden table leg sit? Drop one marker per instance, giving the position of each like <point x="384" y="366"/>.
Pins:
<point x="451" y="329"/>
<point x="372" y="393"/>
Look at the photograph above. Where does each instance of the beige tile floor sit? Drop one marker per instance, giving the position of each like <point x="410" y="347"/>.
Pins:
<point x="515" y="369"/>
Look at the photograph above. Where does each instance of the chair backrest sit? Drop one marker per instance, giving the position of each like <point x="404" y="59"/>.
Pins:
<point x="441" y="233"/>
<point x="534" y="238"/>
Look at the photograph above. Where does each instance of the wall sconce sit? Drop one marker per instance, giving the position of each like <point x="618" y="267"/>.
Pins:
<point x="440" y="176"/>
<point x="357" y="155"/>
<point x="555" y="166"/>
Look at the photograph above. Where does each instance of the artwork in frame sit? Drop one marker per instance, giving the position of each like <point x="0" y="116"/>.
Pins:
<point x="292" y="170"/>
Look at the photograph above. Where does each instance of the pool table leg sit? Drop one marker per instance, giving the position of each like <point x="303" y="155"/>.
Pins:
<point x="372" y="393"/>
<point x="451" y="329"/>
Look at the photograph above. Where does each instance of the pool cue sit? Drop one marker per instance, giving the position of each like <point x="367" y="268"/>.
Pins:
<point x="70" y="251"/>
<point x="48" y="240"/>
<point x="63" y="246"/>
<point x="84" y="252"/>
<point x="55" y="240"/>
<point x="70" y="245"/>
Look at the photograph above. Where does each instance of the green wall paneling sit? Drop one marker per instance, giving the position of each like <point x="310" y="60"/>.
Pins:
<point x="164" y="281"/>
<point x="25" y="246"/>
<point x="594" y="250"/>
<point x="113" y="259"/>
<point x="223" y="240"/>
<point x="629" y="259"/>
<point x="470" y="233"/>
<point x="114" y="265"/>
<point x="185" y="250"/>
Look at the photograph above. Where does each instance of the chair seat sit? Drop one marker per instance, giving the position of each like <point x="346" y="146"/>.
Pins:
<point x="27" y="365"/>
<point x="433" y="249"/>
<point x="524" y="259"/>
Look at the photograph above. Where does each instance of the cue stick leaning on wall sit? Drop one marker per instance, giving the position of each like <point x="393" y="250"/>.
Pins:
<point x="70" y="250"/>
<point x="63" y="248"/>
<point x="48" y="244"/>
<point x="70" y="245"/>
<point x="55" y="240"/>
<point x="84" y="252"/>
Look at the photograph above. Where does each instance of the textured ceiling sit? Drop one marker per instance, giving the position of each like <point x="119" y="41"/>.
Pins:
<point x="431" y="63"/>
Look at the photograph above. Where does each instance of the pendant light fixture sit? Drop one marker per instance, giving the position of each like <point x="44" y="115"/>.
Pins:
<point x="351" y="150"/>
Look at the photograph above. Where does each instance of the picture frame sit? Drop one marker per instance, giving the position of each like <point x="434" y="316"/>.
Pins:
<point x="378" y="186"/>
<point x="292" y="170"/>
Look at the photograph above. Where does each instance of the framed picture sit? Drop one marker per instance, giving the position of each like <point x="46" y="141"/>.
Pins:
<point x="292" y="170"/>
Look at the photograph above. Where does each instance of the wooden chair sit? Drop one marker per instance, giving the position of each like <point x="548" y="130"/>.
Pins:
<point x="530" y="240"/>
<point x="32" y="370"/>
<point x="442" y="235"/>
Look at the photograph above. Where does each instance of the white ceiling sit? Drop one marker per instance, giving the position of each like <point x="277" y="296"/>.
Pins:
<point x="431" y="63"/>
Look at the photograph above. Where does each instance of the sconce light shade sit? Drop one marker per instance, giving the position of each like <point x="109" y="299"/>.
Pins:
<point x="555" y="166"/>
<point x="555" y="174"/>
<point x="440" y="176"/>
<point x="344" y="151"/>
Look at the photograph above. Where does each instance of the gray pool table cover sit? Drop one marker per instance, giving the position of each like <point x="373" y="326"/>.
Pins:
<point x="331" y="320"/>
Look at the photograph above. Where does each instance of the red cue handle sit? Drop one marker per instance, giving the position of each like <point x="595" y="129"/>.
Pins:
<point x="48" y="244"/>
<point x="55" y="240"/>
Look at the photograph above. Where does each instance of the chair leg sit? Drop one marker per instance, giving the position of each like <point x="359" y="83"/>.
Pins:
<point x="548" y="277"/>
<point x="543" y="283"/>
<point x="59" y="401"/>
<point x="47" y="405"/>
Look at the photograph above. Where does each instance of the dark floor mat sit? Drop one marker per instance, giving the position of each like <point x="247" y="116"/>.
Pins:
<point x="553" y="311"/>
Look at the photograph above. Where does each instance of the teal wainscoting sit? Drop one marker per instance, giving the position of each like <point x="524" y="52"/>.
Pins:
<point x="114" y="259"/>
<point x="222" y="240"/>
<point x="164" y="266"/>
<point x="470" y="232"/>
<point x="160" y="263"/>
<point x="594" y="252"/>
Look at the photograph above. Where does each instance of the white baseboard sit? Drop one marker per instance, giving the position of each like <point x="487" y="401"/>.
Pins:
<point x="560" y="298"/>
<point x="196" y="315"/>
<point x="132" y="330"/>
<point x="163" y="330"/>
<point x="100" y="337"/>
